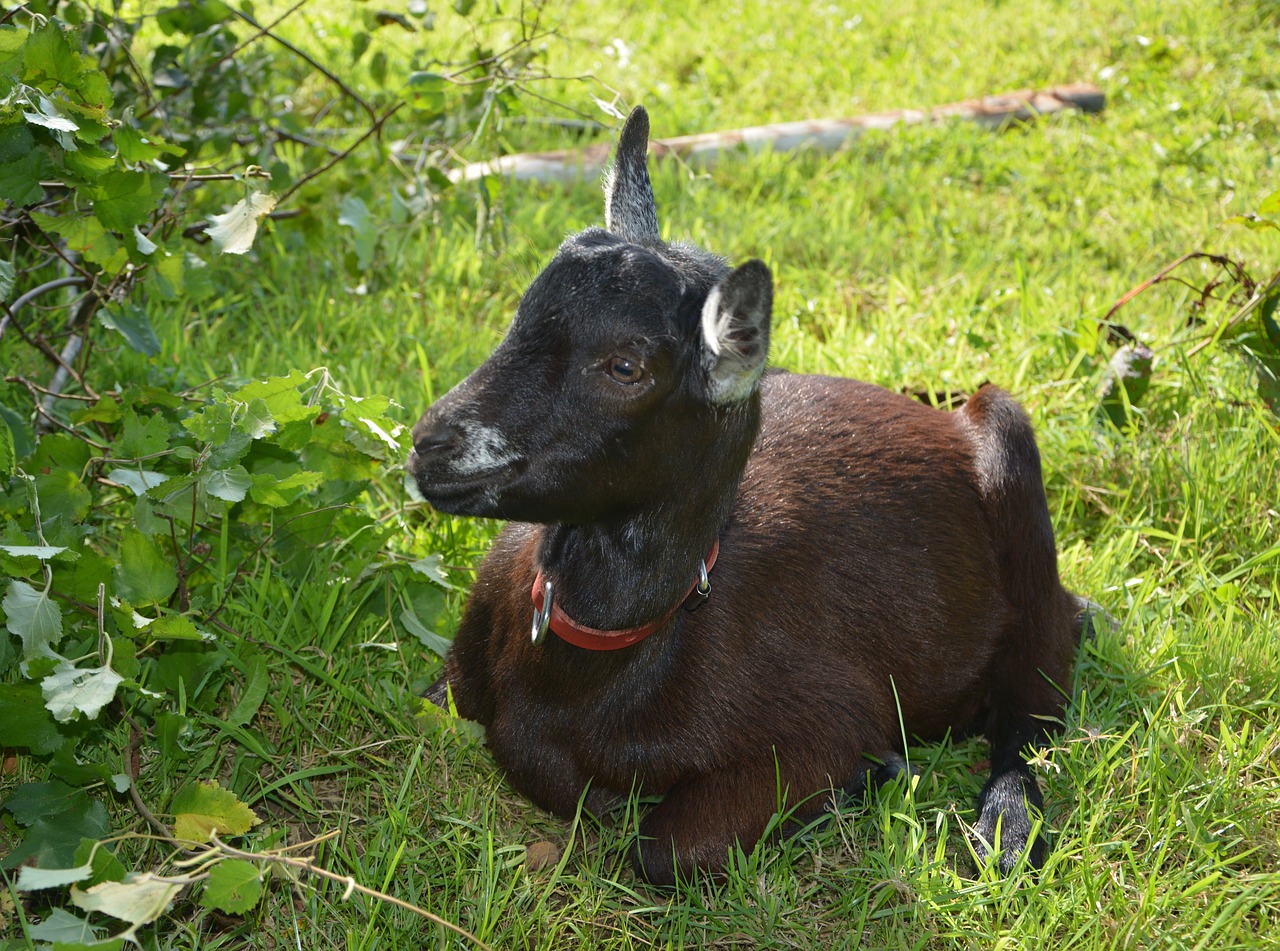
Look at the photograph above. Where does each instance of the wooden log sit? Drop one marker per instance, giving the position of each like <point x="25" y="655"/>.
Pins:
<point x="1023" y="105"/>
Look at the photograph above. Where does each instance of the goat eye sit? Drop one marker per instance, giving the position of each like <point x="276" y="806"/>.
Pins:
<point x="625" y="371"/>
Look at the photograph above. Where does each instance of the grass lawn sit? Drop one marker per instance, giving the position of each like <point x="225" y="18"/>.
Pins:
<point x="926" y="258"/>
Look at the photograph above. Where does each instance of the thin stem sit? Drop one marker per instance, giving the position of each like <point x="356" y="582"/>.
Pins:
<point x="310" y="61"/>
<point x="351" y="885"/>
<point x="372" y="131"/>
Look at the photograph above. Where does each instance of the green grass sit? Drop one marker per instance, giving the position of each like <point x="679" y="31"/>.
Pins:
<point x="929" y="257"/>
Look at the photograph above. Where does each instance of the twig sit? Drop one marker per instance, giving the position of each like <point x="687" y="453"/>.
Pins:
<point x="351" y="885"/>
<point x="131" y="764"/>
<point x="1162" y="275"/>
<point x="262" y="31"/>
<point x="11" y="312"/>
<point x="37" y="388"/>
<point x="53" y="420"/>
<point x="1258" y="297"/>
<point x="372" y="131"/>
<point x="310" y="61"/>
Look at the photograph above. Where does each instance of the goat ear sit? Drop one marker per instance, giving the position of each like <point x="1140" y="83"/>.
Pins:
<point x="629" y="209"/>
<point x="735" y="331"/>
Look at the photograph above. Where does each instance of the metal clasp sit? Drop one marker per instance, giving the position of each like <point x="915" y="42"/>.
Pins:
<point x="542" y="616"/>
<point x="701" y="591"/>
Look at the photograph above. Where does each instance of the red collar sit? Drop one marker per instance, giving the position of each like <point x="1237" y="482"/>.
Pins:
<point x="593" y="639"/>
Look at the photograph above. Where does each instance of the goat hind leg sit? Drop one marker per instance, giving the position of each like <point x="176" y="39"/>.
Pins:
<point x="704" y="816"/>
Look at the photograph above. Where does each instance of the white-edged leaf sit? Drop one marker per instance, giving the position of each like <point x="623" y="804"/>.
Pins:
<point x="56" y="123"/>
<point x="233" y="233"/>
<point x="139" y="899"/>
<point x="70" y="690"/>
<point x="382" y="434"/>
<point x="139" y="480"/>
<point x="35" y="618"/>
<point x="43" y="552"/>
<point x="33" y="879"/>
<point x="145" y="244"/>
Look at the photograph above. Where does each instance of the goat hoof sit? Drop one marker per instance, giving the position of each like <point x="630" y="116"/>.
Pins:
<point x="1006" y="812"/>
<point x="438" y="693"/>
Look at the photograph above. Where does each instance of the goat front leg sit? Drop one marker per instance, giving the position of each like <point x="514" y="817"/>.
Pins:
<point x="703" y="817"/>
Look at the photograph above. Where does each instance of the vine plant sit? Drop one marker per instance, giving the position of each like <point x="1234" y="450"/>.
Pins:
<point x="131" y="148"/>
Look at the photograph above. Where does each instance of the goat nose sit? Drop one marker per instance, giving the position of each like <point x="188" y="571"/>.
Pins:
<point x="432" y="437"/>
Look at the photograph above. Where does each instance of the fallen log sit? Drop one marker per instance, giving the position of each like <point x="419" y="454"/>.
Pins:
<point x="1023" y="105"/>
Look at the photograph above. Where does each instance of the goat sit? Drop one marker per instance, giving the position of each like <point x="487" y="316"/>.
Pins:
<point x="880" y="568"/>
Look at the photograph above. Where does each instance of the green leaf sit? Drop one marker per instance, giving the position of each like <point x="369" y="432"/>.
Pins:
<point x="145" y="574"/>
<point x="32" y="801"/>
<point x="49" y="57"/>
<point x="139" y="899"/>
<point x="20" y="178"/>
<point x="131" y="322"/>
<point x="359" y="46"/>
<point x="89" y="162"/>
<point x="106" y="867"/>
<point x="429" y="639"/>
<point x="35" y="617"/>
<point x="269" y="489"/>
<point x="26" y="722"/>
<point x="204" y="807"/>
<point x="426" y="91"/>
<point x="233" y="232"/>
<point x="8" y="276"/>
<point x="1270" y="205"/>
<point x="12" y="39"/>
<point x="52" y="842"/>
<point x="176" y="627"/>
<point x="230" y="485"/>
<point x="133" y="146"/>
<point x="62" y="927"/>
<point x="106" y="410"/>
<point x="432" y="567"/>
<point x="213" y="424"/>
<point x="354" y="214"/>
<point x="124" y="199"/>
<point x="62" y="494"/>
<point x="170" y="728"/>
<point x="137" y="480"/>
<point x="281" y="396"/>
<point x="256" y="682"/>
<point x="256" y="421"/>
<point x="84" y="235"/>
<point x="72" y="690"/>
<point x="234" y="886"/>
<point x="144" y="435"/>
<point x="8" y="453"/>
